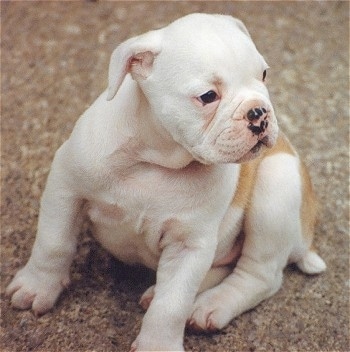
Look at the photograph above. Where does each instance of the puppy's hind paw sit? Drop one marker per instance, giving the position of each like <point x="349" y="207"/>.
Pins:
<point x="311" y="263"/>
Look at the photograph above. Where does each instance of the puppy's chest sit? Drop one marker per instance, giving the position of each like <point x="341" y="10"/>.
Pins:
<point x="150" y="195"/>
<point x="129" y="214"/>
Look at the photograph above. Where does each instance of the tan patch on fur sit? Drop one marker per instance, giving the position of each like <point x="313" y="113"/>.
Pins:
<point x="245" y="183"/>
<point x="308" y="212"/>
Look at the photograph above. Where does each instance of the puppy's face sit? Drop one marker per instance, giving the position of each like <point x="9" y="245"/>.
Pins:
<point x="205" y="84"/>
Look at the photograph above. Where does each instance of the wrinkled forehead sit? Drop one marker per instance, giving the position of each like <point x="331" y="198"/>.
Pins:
<point x="209" y="45"/>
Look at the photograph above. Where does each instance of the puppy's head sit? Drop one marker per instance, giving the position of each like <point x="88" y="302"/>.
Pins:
<point x="204" y="80"/>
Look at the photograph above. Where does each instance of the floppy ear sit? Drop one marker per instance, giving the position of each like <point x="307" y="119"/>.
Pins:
<point x="135" y="56"/>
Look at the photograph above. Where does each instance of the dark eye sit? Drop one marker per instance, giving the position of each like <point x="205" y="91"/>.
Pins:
<point x="264" y="75"/>
<point x="208" y="97"/>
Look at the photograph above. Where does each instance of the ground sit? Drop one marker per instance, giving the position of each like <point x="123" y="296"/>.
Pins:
<point x="54" y="62"/>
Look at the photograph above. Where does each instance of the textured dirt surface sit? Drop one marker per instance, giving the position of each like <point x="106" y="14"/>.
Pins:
<point x="54" y="64"/>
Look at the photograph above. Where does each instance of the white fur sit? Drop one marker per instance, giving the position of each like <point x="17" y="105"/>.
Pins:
<point x="155" y="170"/>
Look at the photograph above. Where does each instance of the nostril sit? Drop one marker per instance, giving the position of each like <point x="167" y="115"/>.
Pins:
<point x="251" y="115"/>
<point x="255" y="114"/>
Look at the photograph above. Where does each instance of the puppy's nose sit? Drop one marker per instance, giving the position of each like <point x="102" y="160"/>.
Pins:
<point x="256" y="113"/>
<point x="257" y="118"/>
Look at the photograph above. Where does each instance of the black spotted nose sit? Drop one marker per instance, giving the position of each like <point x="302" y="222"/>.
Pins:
<point x="256" y="113"/>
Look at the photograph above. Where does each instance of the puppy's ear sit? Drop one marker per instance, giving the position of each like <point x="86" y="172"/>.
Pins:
<point x="134" y="56"/>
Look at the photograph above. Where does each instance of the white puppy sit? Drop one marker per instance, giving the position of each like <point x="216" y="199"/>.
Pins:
<point x="159" y="162"/>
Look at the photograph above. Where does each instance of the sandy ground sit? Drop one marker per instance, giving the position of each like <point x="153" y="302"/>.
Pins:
<point x="54" y="64"/>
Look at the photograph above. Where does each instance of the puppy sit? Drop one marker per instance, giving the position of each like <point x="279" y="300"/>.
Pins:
<point x="171" y="163"/>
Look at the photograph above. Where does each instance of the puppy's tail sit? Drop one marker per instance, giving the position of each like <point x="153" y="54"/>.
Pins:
<point x="311" y="263"/>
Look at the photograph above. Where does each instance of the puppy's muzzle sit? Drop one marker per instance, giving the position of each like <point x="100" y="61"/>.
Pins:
<point x="239" y="137"/>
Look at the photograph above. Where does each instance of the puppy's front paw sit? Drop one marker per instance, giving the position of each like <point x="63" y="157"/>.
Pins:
<point x="36" y="289"/>
<point x="210" y="312"/>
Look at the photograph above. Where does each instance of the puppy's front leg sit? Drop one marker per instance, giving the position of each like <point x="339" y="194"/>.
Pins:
<point x="273" y="228"/>
<point x="185" y="259"/>
<point x="40" y="282"/>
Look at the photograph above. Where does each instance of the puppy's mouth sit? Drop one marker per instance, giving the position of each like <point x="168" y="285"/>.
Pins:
<point x="257" y="147"/>
<point x="252" y="153"/>
<point x="256" y="150"/>
<point x="265" y="141"/>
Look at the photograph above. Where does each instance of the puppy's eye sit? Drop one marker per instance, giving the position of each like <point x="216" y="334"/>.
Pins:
<point x="208" y="97"/>
<point x="264" y="75"/>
